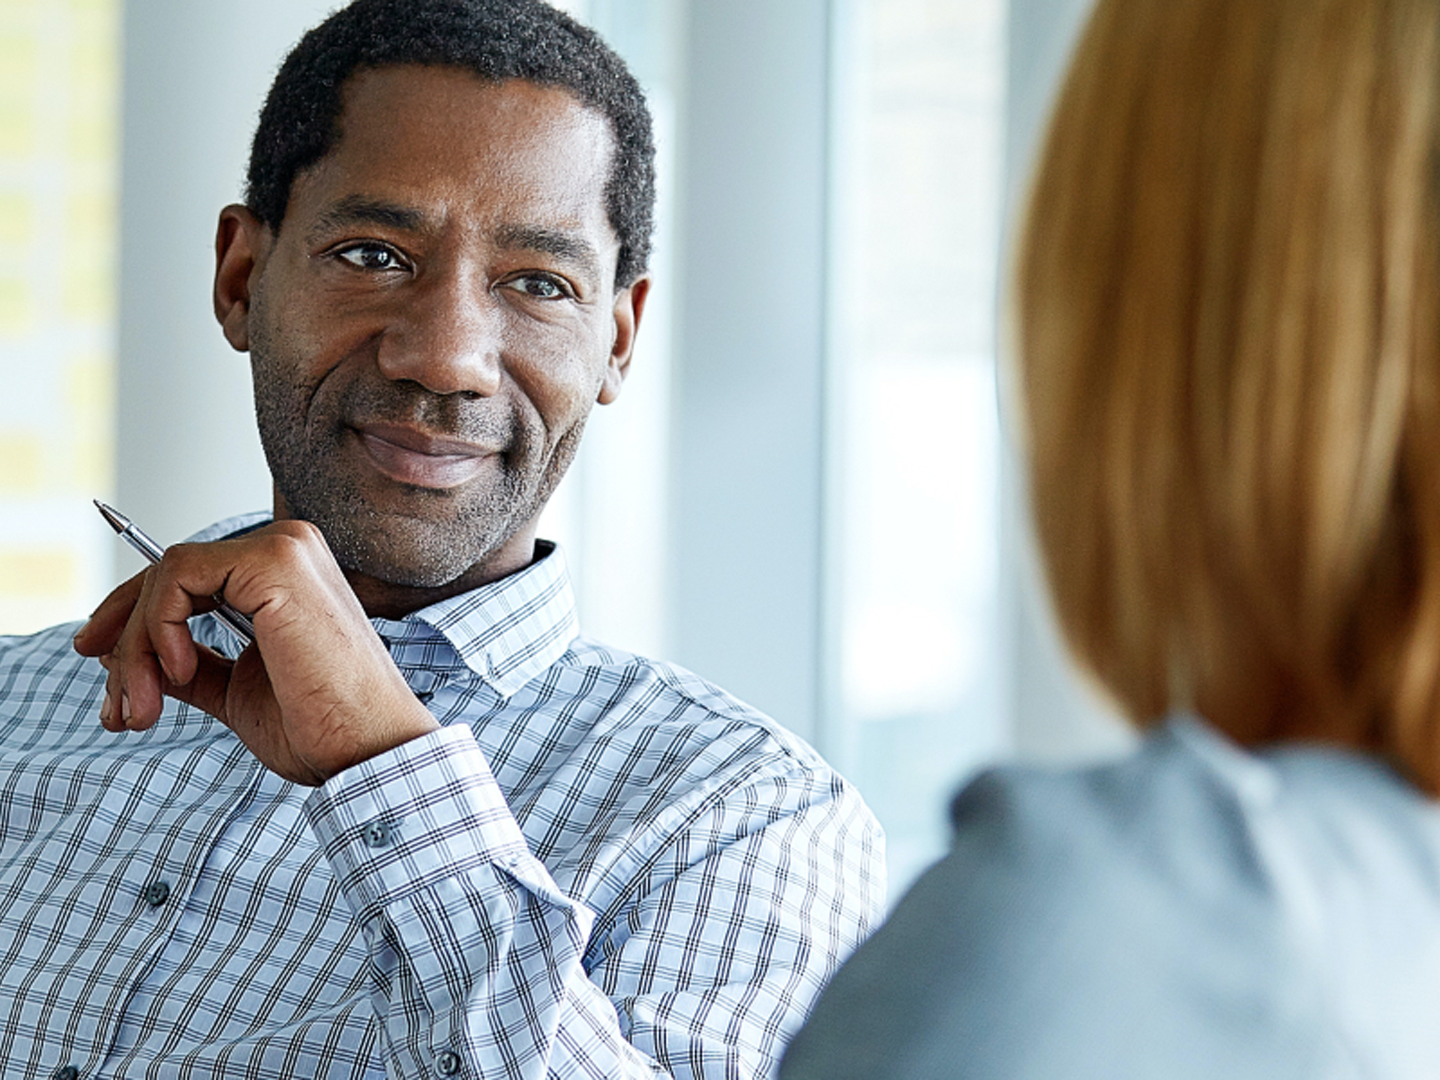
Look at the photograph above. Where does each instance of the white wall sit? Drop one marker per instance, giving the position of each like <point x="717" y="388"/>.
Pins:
<point x="749" y="372"/>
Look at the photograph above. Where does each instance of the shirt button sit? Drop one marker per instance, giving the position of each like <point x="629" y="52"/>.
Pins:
<point x="156" y="893"/>
<point x="447" y="1063"/>
<point x="377" y="834"/>
<point x="66" y="1072"/>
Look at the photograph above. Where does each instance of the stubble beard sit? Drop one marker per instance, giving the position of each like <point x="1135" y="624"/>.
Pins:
<point x="446" y="534"/>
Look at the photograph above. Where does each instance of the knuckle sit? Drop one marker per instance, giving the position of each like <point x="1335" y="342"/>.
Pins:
<point x="286" y="551"/>
<point x="175" y="555"/>
<point x="305" y="533"/>
<point x="295" y="543"/>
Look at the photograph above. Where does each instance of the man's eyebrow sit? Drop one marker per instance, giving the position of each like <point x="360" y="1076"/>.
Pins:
<point x="363" y="210"/>
<point x="562" y="245"/>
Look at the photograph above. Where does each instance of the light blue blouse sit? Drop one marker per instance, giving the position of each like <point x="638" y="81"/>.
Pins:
<point x="1193" y="910"/>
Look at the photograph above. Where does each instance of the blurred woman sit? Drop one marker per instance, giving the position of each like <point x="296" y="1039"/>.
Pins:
<point x="1227" y="303"/>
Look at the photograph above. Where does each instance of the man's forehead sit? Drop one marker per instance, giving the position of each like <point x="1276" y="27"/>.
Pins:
<point x="418" y="129"/>
<point x="437" y="93"/>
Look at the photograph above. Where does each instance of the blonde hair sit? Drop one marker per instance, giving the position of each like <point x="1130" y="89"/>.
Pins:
<point x="1228" y="336"/>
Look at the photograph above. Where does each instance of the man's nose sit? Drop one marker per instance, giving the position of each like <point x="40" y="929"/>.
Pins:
<point x="446" y="337"/>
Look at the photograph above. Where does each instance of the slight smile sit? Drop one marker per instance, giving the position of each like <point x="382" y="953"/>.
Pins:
<point x="413" y="458"/>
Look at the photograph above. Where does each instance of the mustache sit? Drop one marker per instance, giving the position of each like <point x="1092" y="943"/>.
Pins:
<point x="482" y="420"/>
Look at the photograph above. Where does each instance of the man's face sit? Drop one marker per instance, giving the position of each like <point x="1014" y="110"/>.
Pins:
<point x="433" y="321"/>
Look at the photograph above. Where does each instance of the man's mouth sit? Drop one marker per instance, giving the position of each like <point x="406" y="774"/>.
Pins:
<point x="417" y="459"/>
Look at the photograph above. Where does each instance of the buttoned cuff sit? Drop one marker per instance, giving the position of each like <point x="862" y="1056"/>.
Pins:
<point x="425" y="811"/>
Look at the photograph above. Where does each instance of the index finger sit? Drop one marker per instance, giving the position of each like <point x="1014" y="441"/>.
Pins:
<point x="186" y="582"/>
<point x="102" y="631"/>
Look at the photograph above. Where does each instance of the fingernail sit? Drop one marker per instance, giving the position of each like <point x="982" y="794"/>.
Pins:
<point x="106" y="708"/>
<point x="125" y="708"/>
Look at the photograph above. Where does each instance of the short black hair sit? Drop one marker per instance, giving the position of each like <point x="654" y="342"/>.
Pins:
<point x="494" y="39"/>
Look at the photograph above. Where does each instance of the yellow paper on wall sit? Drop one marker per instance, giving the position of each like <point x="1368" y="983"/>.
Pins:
<point x="18" y="92"/>
<point x="17" y="220"/>
<point x="28" y="572"/>
<point x="22" y="459"/>
<point x="17" y="306"/>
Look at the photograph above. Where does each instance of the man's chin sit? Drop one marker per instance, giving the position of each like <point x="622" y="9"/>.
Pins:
<point x="386" y="574"/>
<point x="411" y="568"/>
<point x="422" y="544"/>
<point x="416" y="556"/>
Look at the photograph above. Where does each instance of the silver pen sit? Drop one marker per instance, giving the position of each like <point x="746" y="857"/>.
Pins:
<point x="239" y="624"/>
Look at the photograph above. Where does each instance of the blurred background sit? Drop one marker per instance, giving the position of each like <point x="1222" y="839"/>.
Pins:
<point x="806" y="493"/>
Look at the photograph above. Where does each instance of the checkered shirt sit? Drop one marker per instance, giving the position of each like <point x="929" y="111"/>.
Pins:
<point x="599" y="866"/>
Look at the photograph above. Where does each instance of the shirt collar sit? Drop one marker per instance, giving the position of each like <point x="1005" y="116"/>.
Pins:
<point x="507" y="632"/>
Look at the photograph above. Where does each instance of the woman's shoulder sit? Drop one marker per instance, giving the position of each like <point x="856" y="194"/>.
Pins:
<point x="1175" y="910"/>
<point x="1307" y="877"/>
<point x="1190" y="810"/>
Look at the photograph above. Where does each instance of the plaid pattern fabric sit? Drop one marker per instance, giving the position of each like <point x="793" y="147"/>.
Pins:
<point x="600" y="866"/>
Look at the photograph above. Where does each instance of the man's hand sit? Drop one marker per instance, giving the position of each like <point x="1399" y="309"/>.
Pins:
<point x="316" y="692"/>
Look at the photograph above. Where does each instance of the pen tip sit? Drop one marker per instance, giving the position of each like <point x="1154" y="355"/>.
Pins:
<point x="116" y="520"/>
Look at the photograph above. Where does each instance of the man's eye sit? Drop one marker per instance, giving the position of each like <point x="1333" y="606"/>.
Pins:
<point x="370" y="257"/>
<point x="540" y="286"/>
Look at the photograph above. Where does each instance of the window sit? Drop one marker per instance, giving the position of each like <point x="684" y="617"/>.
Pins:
<point x="917" y="192"/>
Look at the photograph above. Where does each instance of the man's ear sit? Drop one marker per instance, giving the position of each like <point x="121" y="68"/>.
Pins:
<point x="242" y="242"/>
<point x="629" y="306"/>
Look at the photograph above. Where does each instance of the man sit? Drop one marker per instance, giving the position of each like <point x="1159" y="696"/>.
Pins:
<point x="524" y="854"/>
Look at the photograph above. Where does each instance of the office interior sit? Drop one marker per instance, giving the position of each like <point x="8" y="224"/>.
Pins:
<point x="807" y="491"/>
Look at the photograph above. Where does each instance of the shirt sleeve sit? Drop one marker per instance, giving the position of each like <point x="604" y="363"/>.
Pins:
<point x="481" y="965"/>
